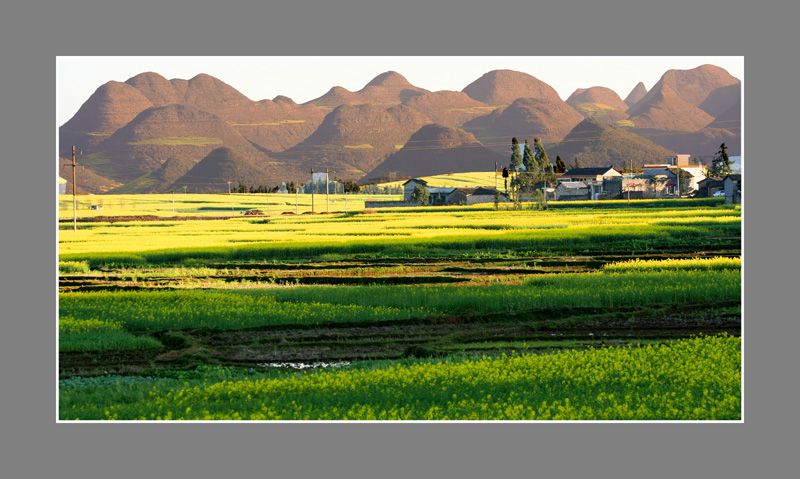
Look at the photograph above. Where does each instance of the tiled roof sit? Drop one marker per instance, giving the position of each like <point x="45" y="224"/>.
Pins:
<point x="586" y="172"/>
<point x="417" y="180"/>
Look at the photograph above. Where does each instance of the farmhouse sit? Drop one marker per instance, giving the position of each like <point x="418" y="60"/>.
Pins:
<point x="472" y="196"/>
<point x="573" y="191"/>
<point x="671" y="167"/>
<point x="733" y="189"/>
<point x="408" y="187"/>
<point x="439" y="196"/>
<point x="708" y="186"/>
<point x="588" y="174"/>
<point x="62" y="186"/>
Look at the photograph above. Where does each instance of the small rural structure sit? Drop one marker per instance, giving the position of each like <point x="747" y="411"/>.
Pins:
<point x="594" y="183"/>
<point x="708" y="186"/>
<point x="670" y="169"/>
<point x="439" y="196"/>
<point x="408" y="187"/>
<point x="472" y="196"/>
<point x="733" y="189"/>
<point x="572" y="191"/>
<point x="62" y="186"/>
<point x="588" y="174"/>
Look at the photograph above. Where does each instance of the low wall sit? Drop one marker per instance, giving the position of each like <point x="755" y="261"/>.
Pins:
<point x="391" y="204"/>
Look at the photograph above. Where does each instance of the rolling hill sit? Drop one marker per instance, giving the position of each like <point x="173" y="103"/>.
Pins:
<point x="223" y="165"/>
<point x="597" y="144"/>
<point x="354" y="139"/>
<point x="528" y="118"/>
<point x="437" y="149"/>
<point x="598" y="102"/>
<point x="387" y="89"/>
<point x="502" y="87"/>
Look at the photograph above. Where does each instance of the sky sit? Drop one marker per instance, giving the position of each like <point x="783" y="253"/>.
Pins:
<point x="304" y="78"/>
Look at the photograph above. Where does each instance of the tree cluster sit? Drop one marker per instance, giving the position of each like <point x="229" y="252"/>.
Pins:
<point x="421" y="194"/>
<point x="244" y="188"/>
<point x="721" y="166"/>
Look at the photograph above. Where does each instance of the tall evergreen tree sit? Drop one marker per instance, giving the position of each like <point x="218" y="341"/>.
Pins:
<point x="560" y="166"/>
<point x="516" y="158"/>
<point x="576" y="164"/>
<point x="528" y="159"/>
<point x="541" y="154"/>
<point x="721" y="166"/>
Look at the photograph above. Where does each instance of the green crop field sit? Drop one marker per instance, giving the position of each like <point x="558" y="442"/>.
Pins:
<point x="586" y="310"/>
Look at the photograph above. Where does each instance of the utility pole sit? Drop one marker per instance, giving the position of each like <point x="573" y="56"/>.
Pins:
<point x="327" y="193"/>
<point x="312" y="189"/>
<point x="74" y="194"/>
<point x="229" y="192"/>
<point x="629" y="184"/>
<point x="296" y="196"/>
<point x="173" y="202"/>
<point x="495" y="175"/>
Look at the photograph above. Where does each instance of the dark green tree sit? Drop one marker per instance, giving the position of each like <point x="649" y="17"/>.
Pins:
<point x="421" y="194"/>
<point x="350" y="186"/>
<point x="528" y="159"/>
<point x="721" y="166"/>
<point x="541" y="154"/>
<point x="516" y="158"/>
<point x="683" y="181"/>
<point x="561" y="168"/>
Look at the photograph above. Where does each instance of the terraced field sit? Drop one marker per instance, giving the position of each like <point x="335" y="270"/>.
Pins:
<point x="260" y="297"/>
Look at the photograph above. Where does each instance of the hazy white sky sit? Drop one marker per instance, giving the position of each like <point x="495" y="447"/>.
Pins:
<point x="305" y="78"/>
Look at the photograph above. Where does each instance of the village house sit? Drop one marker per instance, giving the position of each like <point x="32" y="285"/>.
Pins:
<point x="588" y="174"/>
<point x="472" y="196"/>
<point x="593" y="180"/>
<point x="707" y="187"/>
<point x="439" y="196"/>
<point x="668" y="171"/>
<point x="733" y="189"/>
<point x="572" y="191"/>
<point x="408" y="187"/>
<point x="62" y="186"/>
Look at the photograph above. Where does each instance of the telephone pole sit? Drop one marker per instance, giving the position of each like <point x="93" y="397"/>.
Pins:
<point x="629" y="183"/>
<point x="74" y="193"/>
<point x="312" y="188"/>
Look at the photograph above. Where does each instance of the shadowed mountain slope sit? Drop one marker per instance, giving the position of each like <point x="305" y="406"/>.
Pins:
<point x="663" y="109"/>
<point x="158" y="180"/>
<point x="437" y="149"/>
<point x="450" y="108"/>
<point x="597" y="144"/>
<point x="157" y="134"/>
<point x="212" y="173"/>
<point x="528" y="118"/>
<point x="354" y="139"/>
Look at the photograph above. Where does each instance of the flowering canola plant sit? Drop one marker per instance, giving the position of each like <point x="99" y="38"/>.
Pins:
<point x="694" y="379"/>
